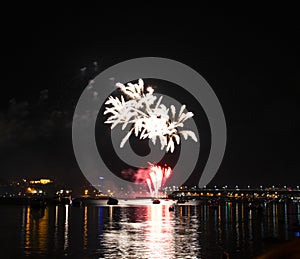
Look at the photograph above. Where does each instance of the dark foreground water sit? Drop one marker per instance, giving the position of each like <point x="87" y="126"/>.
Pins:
<point x="144" y="231"/>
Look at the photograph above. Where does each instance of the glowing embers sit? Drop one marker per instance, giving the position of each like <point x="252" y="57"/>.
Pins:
<point x="157" y="177"/>
<point x="149" y="118"/>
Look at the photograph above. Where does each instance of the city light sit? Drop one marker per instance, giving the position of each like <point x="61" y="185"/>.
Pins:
<point x="31" y="190"/>
<point x="41" y="181"/>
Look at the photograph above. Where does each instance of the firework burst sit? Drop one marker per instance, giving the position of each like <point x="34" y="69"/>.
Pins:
<point x="158" y="176"/>
<point x="148" y="117"/>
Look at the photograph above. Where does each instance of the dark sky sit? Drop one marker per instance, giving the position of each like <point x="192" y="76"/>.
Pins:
<point x="250" y="61"/>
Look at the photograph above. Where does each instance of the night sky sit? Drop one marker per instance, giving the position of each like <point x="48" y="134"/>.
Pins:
<point x="251" y="62"/>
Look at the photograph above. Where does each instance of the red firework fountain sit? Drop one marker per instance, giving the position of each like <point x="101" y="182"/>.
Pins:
<point x="157" y="178"/>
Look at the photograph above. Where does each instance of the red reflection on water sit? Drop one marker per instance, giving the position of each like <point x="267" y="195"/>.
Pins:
<point x="160" y="233"/>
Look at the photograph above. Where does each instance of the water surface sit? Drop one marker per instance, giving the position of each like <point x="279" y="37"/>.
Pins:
<point x="145" y="231"/>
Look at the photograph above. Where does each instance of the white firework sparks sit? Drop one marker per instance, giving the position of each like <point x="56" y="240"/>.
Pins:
<point x="148" y="117"/>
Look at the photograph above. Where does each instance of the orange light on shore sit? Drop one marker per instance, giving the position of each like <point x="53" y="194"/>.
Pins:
<point x="31" y="190"/>
<point x="41" y="181"/>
